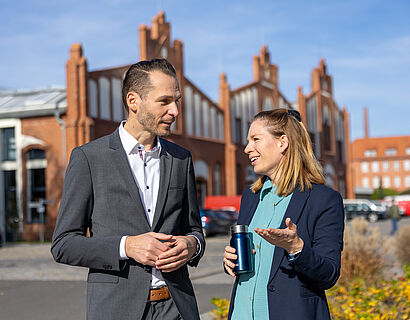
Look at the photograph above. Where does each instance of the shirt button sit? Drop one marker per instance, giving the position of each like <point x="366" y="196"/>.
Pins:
<point x="145" y="164"/>
<point x="149" y="210"/>
<point x="147" y="187"/>
<point x="257" y="246"/>
<point x="266" y="225"/>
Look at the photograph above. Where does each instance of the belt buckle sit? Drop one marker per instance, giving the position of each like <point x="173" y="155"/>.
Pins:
<point x="159" y="294"/>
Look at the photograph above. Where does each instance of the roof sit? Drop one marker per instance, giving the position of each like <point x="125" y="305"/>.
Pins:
<point x="24" y="104"/>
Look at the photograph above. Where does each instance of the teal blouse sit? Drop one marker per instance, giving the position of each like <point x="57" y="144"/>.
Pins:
<point x="251" y="299"/>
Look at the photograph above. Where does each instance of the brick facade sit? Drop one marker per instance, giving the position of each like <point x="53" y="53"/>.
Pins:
<point x="214" y="132"/>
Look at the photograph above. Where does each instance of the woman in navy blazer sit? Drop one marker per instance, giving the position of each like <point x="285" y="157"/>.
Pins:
<point x="309" y="241"/>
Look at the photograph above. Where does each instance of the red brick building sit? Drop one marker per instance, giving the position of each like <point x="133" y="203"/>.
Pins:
<point x="379" y="162"/>
<point x="214" y="132"/>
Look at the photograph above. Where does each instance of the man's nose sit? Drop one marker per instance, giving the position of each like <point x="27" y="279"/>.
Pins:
<point x="173" y="110"/>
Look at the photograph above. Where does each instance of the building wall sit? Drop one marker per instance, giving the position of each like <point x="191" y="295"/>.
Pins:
<point x="381" y="161"/>
<point x="49" y="132"/>
<point x="214" y="132"/>
<point x="326" y="125"/>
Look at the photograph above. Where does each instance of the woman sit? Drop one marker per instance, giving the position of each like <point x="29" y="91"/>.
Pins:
<point x="296" y="226"/>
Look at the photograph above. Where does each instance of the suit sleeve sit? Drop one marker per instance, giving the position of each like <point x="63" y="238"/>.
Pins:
<point x="319" y="262"/>
<point x="193" y="225"/>
<point x="70" y="244"/>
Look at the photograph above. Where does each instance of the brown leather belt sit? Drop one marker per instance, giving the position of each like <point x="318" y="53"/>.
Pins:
<point x="159" y="294"/>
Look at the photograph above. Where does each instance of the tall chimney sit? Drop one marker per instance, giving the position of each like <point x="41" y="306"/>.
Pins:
<point x="366" y="123"/>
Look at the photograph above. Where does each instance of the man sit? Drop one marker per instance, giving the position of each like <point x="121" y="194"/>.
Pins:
<point x="135" y="193"/>
<point x="394" y="214"/>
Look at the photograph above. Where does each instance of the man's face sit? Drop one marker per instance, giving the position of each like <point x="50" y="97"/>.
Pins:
<point x="159" y="108"/>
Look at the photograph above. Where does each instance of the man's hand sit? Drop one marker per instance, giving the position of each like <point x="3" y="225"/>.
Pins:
<point x="145" y="248"/>
<point x="183" y="249"/>
<point x="287" y="238"/>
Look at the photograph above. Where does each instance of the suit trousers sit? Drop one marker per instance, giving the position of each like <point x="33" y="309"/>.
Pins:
<point x="161" y="310"/>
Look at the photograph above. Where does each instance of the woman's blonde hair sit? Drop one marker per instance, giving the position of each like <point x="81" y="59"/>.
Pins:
<point x="299" y="165"/>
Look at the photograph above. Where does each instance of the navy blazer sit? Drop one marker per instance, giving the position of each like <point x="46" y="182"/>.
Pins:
<point x="296" y="290"/>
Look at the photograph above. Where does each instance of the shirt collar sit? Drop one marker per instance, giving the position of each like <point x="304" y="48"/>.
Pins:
<point x="269" y="188"/>
<point x="131" y="144"/>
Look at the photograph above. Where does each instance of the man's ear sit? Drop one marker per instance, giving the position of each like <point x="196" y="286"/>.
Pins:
<point x="133" y="101"/>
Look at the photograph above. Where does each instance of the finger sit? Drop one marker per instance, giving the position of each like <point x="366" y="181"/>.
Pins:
<point x="230" y="249"/>
<point x="172" y="266"/>
<point x="229" y="263"/>
<point x="253" y="251"/>
<point x="230" y="256"/>
<point x="174" y="251"/>
<point x="161" y="236"/>
<point x="230" y="271"/>
<point x="290" y="224"/>
<point x="162" y="262"/>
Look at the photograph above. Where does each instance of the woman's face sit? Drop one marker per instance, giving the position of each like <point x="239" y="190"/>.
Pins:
<point x="264" y="150"/>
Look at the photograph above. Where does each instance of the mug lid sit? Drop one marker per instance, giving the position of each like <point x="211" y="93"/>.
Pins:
<point x="239" y="228"/>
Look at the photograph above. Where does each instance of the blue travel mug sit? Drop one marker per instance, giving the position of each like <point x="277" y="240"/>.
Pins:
<point x="241" y="241"/>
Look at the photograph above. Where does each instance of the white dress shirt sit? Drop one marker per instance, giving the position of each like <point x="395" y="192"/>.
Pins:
<point x="146" y="171"/>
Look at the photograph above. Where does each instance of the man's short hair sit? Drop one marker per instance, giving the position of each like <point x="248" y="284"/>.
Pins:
<point x="138" y="79"/>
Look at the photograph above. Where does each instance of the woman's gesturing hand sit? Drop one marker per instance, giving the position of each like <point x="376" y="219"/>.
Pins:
<point x="229" y="260"/>
<point x="287" y="238"/>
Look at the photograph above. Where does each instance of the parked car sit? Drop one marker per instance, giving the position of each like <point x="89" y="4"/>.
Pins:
<point x="217" y="221"/>
<point x="353" y="210"/>
<point x="363" y="207"/>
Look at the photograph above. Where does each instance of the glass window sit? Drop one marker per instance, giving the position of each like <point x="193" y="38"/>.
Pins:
<point x="36" y="191"/>
<point x="365" y="182"/>
<point x="365" y="167"/>
<point x="205" y="118"/>
<point x="390" y="152"/>
<point x="9" y="144"/>
<point x="386" y="182"/>
<point x="396" y="165"/>
<point x="407" y="181"/>
<point x="407" y="165"/>
<point x="188" y="110"/>
<point x="10" y="206"/>
<point x="385" y="165"/>
<point x="375" y="166"/>
<point x="396" y="182"/>
<point x="376" y="182"/>
<point x="36" y="154"/>
<point x="220" y="126"/>
<point x="370" y="153"/>
<point x="217" y="180"/>
<point x="407" y="150"/>
<point x="197" y="114"/>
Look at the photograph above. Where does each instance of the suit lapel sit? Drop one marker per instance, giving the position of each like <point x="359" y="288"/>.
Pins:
<point x="249" y="203"/>
<point x="165" y="176"/>
<point x="294" y="210"/>
<point x="120" y="158"/>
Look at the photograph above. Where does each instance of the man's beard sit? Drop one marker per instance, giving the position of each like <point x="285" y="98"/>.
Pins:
<point x="147" y="120"/>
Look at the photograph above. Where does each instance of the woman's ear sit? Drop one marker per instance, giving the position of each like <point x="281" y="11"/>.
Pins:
<point x="283" y="143"/>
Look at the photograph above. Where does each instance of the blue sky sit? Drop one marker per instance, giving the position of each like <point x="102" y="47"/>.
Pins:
<point x="366" y="45"/>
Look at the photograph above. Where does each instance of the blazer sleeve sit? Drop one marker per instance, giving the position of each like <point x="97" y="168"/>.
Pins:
<point x="193" y="225"/>
<point x="70" y="244"/>
<point x="319" y="262"/>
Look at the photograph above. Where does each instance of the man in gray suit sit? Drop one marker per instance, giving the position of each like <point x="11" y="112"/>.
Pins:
<point x="135" y="194"/>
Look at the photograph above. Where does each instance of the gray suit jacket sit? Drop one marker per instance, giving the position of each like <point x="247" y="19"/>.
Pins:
<point x="100" y="194"/>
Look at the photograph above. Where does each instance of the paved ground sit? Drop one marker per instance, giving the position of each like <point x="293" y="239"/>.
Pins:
<point x="33" y="286"/>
